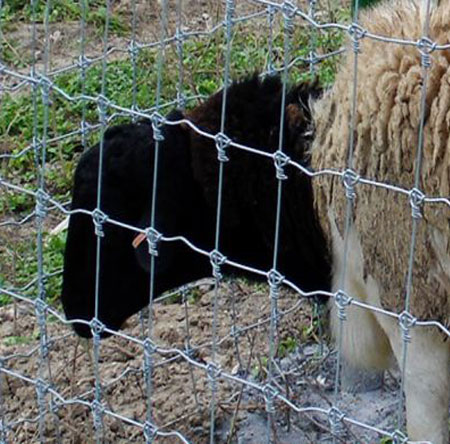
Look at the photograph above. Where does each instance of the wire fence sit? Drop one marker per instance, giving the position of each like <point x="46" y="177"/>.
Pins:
<point x="39" y="80"/>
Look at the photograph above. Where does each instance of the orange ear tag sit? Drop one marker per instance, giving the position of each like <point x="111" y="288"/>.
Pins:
<point x="139" y="239"/>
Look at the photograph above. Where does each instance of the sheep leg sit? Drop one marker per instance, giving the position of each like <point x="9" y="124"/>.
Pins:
<point x="365" y="350"/>
<point x="427" y="390"/>
<point x="427" y="381"/>
<point x="364" y="344"/>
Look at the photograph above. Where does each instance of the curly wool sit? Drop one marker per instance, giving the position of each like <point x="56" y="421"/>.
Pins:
<point x="386" y="137"/>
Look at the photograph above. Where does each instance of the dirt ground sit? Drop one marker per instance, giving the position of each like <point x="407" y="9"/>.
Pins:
<point x="181" y="393"/>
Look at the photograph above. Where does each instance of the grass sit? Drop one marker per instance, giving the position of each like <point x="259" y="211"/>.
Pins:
<point x="24" y="11"/>
<point x="23" y="262"/>
<point x="21" y="117"/>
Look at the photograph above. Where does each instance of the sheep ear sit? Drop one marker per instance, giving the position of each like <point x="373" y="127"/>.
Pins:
<point x="295" y="116"/>
<point x="175" y="115"/>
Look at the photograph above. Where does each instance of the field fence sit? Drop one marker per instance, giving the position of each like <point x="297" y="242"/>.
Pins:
<point x="39" y="80"/>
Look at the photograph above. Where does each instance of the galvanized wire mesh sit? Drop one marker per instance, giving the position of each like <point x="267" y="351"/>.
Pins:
<point x="39" y="81"/>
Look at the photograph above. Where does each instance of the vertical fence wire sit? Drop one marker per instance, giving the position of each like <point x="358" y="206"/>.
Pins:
<point x="150" y="431"/>
<point x="312" y="39"/>
<point x="349" y="181"/>
<point x="270" y="18"/>
<point x="179" y="36"/>
<point x="188" y="346"/>
<point x="406" y="321"/>
<point x="274" y="277"/>
<point x="3" y="421"/>
<point x="83" y="65"/>
<point x="217" y="258"/>
<point x="41" y="85"/>
<point x="133" y="49"/>
<point x="98" y="219"/>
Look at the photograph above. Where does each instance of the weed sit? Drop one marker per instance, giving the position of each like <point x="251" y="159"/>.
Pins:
<point x="10" y="341"/>
<point x="287" y="346"/>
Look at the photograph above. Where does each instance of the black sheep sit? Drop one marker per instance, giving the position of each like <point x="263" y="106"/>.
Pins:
<point x="186" y="203"/>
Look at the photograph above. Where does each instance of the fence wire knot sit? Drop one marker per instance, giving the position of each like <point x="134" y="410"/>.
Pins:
<point x="350" y="179"/>
<point x="157" y="124"/>
<point x="149" y="350"/>
<point x="97" y="327"/>
<point x="335" y="418"/>
<point x="406" y="321"/>
<point x="188" y="350"/>
<point x="180" y="36"/>
<point x="217" y="259"/>
<point x="99" y="218"/>
<point x="289" y="10"/>
<point x="54" y="407"/>
<point x="84" y="62"/>
<point x="149" y="347"/>
<point x="98" y="410"/>
<point x="222" y="143"/>
<point x="45" y="84"/>
<point x="84" y="128"/>
<point x="40" y="306"/>
<point x="230" y="8"/>
<point x="416" y="200"/>
<point x="275" y="279"/>
<point x="271" y="10"/>
<point x="181" y="100"/>
<point x="153" y="238"/>
<point x="42" y="388"/>
<point x="133" y="48"/>
<point x="399" y="437"/>
<point x="235" y="332"/>
<point x="33" y="78"/>
<point x="426" y="46"/>
<point x="150" y="432"/>
<point x="313" y="59"/>
<point x="36" y="145"/>
<point x="270" y="394"/>
<point x="280" y="160"/>
<point x="42" y="199"/>
<point x="342" y="301"/>
<point x="213" y="371"/>
<point x="357" y="33"/>
<point x="102" y="106"/>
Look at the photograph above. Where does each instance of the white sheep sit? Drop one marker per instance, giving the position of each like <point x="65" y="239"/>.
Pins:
<point x="389" y="88"/>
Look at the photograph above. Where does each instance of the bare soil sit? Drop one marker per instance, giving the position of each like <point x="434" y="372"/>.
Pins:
<point x="181" y="393"/>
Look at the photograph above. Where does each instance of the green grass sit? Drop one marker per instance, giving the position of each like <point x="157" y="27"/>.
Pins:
<point x="203" y="64"/>
<point x="25" y="11"/>
<point x="23" y="260"/>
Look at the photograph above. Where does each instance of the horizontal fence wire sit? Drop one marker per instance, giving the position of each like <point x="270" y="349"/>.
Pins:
<point x="40" y="81"/>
